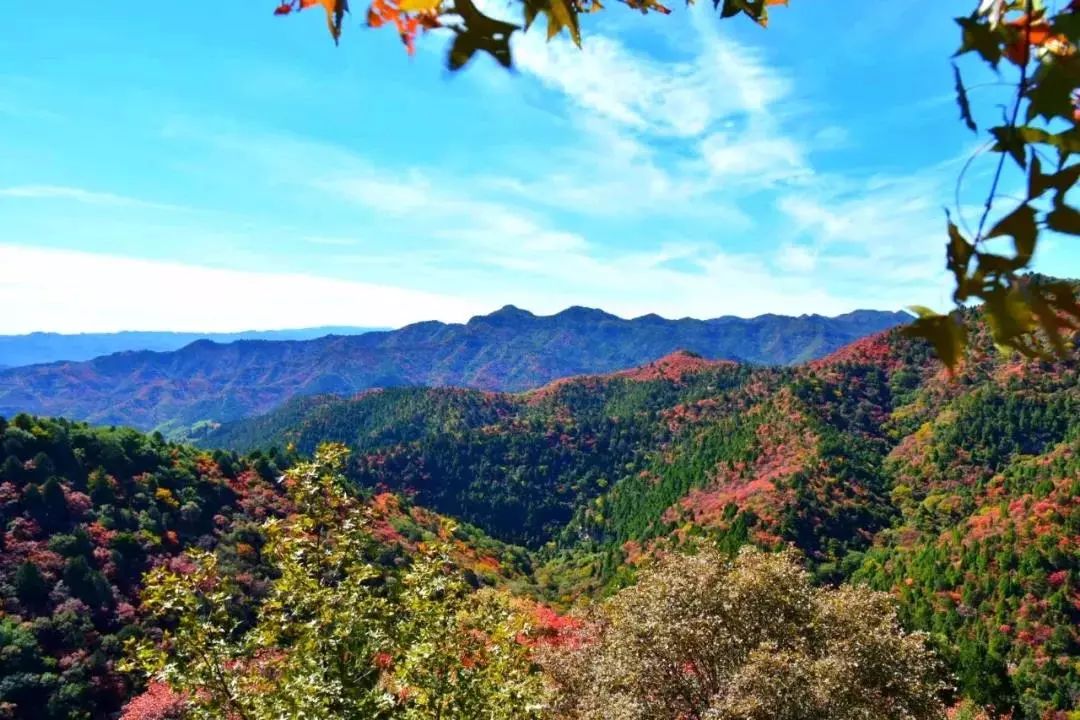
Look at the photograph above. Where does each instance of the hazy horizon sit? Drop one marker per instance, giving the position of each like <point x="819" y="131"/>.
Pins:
<point x="383" y="328"/>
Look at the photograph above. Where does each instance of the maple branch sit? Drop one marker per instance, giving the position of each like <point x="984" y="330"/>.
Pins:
<point x="1021" y="87"/>
<point x="960" y="183"/>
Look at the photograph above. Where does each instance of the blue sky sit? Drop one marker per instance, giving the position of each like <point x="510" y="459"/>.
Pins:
<point x="212" y="167"/>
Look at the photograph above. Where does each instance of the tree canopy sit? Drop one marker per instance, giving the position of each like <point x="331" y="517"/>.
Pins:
<point x="701" y="637"/>
<point x="338" y="635"/>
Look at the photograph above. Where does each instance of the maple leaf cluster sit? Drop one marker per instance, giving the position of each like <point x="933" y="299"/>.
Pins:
<point x="475" y="30"/>
<point x="335" y="11"/>
<point x="410" y="17"/>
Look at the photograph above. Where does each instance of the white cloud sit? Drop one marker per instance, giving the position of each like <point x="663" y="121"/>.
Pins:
<point x="331" y="241"/>
<point x="495" y="233"/>
<point x="872" y="213"/>
<point x="671" y="134"/>
<point x="663" y="97"/>
<point x="81" y="195"/>
<point x="71" y="291"/>
<point x="751" y="156"/>
<point x="796" y="258"/>
<point x="880" y="234"/>
<point x="507" y="245"/>
<point x="610" y="171"/>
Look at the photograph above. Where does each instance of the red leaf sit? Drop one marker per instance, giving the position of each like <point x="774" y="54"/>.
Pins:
<point x="1030" y="34"/>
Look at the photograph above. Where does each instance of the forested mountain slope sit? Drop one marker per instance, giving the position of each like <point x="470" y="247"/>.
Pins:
<point x="86" y="511"/>
<point x="517" y="465"/>
<point x="510" y="349"/>
<point x="959" y="494"/>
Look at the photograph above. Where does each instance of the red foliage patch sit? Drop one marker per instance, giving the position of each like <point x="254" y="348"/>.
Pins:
<point x="159" y="702"/>
<point x="674" y="367"/>
<point x="783" y="450"/>
<point x="554" y="630"/>
<point x="872" y="350"/>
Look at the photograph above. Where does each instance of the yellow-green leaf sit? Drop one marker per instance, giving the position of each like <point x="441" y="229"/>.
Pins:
<point x="1010" y="141"/>
<point x="959" y="258"/>
<point x="979" y="37"/>
<point x="419" y="5"/>
<point x="962" y="101"/>
<point x="1049" y="321"/>
<point x="1064" y="219"/>
<point x="1010" y="318"/>
<point x="1020" y="226"/>
<point x="946" y="333"/>
<point x="560" y="14"/>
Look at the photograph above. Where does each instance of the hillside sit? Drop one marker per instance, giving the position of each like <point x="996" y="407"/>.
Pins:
<point x="86" y="511"/>
<point x="45" y="347"/>
<point x="510" y="349"/>
<point x="959" y="495"/>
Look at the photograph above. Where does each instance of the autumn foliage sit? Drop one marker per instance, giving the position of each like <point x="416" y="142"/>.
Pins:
<point x="474" y="30"/>
<point x="956" y="496"/>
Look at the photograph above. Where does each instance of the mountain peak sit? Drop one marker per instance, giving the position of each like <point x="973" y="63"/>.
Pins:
<point x="512" y="311"/>
<point x="673" y="366"/>
<point x="579" y="312"/>
<point x="901" y="316"/>
<point x="505" y="314"/>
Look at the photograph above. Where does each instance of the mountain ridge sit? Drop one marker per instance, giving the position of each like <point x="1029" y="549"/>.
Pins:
<point x="38" y="348"/>
<point x="510" y="349"/>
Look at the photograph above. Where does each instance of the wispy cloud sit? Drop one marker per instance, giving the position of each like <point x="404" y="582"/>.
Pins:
<point x="496" y="246"/>
<point x="754" y="157"/>
<point x="80" y="195"/>
<point x="659" y="136"/>
<point x="331" y="241"/>
<point x="720" y="78"/>
<point x="879" y="232"/>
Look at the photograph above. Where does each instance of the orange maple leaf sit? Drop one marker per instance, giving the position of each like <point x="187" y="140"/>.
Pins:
<point x="335" y="12"/>
<point x="1030" y="33"/>
<point x="764" y="19"/>
<point x="409" y="25"/>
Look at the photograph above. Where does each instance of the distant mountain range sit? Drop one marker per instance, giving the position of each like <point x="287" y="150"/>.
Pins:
<point x="42" y="347"/>
<point x="510" y="349"/>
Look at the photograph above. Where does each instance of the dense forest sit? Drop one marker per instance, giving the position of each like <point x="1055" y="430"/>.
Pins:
<point x="87" y="511"/>
<point x="956" y="495"/>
